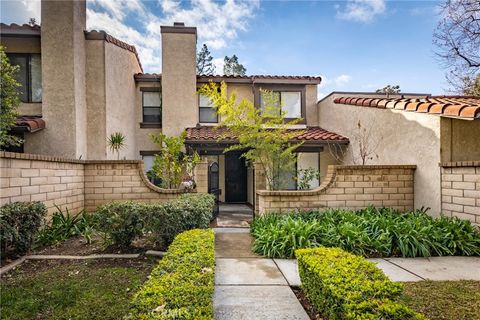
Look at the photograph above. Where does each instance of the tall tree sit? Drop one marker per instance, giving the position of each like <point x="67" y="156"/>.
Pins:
<point x="457" y="41"/>
<point x="232" y="67"/>
<point x="389" y="89"/>
<point x="205" y="61"/>
<point x="9" y="101"/>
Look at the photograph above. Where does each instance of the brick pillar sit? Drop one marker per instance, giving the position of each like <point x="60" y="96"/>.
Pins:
<point x="201" y="175"/>
<point x="260" y="183"/>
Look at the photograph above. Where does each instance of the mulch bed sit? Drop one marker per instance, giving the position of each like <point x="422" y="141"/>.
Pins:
<point x="309" y="308"/>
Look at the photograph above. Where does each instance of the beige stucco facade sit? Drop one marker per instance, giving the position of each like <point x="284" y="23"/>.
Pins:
<point x="403" y="138"/>
<point x="460" y="140"/>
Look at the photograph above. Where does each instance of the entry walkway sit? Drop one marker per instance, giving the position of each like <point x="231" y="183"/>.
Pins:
<point x="248" y="286"/>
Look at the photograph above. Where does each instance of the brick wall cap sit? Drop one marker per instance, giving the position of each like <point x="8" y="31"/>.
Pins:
<point x="460" y="164"/>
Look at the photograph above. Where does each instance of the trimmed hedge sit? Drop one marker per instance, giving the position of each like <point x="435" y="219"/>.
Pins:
<point x="19" y="224"/>
<point x="345" y="286"/>
<point x="122" y="222"/>
<point x="182" y="285"/>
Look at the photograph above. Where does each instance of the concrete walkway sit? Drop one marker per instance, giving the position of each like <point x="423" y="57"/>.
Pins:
<point x="248" y="286"/>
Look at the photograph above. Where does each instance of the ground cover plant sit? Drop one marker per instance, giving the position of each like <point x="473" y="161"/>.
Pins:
<point x="444" y="300"/>
<point x="182" y="285"/>
<point x="98" y="289"/>
<point x="344" y="286"/>
<point x="370" y="232"/>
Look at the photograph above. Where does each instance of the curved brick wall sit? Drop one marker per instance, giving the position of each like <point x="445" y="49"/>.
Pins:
<point x="352" y="187"/>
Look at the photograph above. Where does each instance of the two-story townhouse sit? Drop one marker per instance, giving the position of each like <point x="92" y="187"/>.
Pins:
<point x="80" y="86"/>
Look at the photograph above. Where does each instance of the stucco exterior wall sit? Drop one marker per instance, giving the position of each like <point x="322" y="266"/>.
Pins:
<point x="179" y="81"/>
<point x="311" y="98"/>
<point x="461" y="190"/>
<point x="460" y="140"/>
<point x="63" y="80"/>
<point x="120" y="67"/>
<point x="353" y="187"/>
<point x="21" y="45"/>
<point x="96" y="100"/>
<point x="404" y="138"/>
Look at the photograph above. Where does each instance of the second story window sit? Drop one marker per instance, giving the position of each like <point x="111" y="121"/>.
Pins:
<point x="29" y="75"/>
<point x="152" y="107"/>
<point x="207" y="112"/>
<point x="290" y="102"/>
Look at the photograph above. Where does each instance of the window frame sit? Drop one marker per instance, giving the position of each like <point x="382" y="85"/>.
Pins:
<point x="199" y="113"/>
<point x="280" y="89"/>
<point x="149" y="124"/>
<point x="28" y="85"/>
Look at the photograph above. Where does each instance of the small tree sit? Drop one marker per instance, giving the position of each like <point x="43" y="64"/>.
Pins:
<point x="116" y="142"/>
<point x="232" y="67"/>
<point x="204" y="61"/>
<point x="389" y="89"/>
<point x="263" y="134"/>
<point x="9" y="102"/>
<point x="171" y="163"/>
<point x="32" y="22"/>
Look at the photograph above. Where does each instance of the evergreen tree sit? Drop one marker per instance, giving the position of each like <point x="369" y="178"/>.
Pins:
<point x="204" y="61"/>
<point x="232" y="67"/>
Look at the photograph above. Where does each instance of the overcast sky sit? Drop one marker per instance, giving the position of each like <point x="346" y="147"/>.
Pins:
<point x="355" y="45"/>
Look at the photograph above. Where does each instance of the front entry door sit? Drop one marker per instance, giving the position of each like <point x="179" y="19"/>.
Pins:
<point x="235" y="178"/>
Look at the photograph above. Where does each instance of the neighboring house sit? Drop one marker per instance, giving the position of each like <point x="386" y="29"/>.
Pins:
<point x="410" y="129"/>
<point x="80" y="86"/>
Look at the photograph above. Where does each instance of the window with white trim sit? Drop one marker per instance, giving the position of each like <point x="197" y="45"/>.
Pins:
<point x="206" y="109"/>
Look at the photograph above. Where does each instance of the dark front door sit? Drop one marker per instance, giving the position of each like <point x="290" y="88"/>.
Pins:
<point x="235" y="178"/>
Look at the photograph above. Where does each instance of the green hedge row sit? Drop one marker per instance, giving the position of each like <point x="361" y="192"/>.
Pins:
<point x="182" y="285"/>
<point x="345" y="286"/>
<point x="19" y="225"/>
<point x="122" y="222"/>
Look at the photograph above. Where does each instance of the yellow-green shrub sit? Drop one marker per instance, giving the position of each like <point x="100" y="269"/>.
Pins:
<point x="345" y="286"/>
<point x="181" y="286"/>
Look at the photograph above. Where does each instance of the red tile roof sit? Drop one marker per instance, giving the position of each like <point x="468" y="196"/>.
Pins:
<point x="461" y="107"/>
<point x="213" y="134"/>
<point x="30" y="123"/>
<point x="23" y="30"/>
<point x="260" y="78"/>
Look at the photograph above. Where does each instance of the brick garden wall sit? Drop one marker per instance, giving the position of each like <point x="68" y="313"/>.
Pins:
<point x="352" y="187"/>
<point x="75" y="184"/>
<point x="461" y="190"/>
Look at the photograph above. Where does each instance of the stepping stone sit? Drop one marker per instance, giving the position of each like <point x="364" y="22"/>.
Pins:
<point x="289" y="269"/>
<point x="257" y="302"/>
<point x="247" y="271"/>
<point x="441" y="268"/>
<point x="394" y="272"/>
<point x="233" y="245"/>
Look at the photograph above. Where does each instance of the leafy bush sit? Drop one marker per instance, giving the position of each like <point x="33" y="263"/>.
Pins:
<point x="19" y="224"/>
<point x="187" y="212"/>
<point x="122" y="222"/>
<point x="182" y="285"/>
<point x="370" y="232"/>
<point x="344" y="286"/>
<point x="63" y="226"/>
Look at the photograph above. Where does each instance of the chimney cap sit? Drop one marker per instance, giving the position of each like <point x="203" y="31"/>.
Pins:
<point x="179" y="24"/>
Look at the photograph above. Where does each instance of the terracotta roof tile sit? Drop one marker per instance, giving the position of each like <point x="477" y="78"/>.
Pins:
<point x="259" y="78"/>
<point x="462" y="107"/>
<point x="30" y="123"/>
<point x="213" y="134"/>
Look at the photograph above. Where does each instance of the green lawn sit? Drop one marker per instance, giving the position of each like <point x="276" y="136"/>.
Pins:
<point x="444" y="300"/>
<point x="97" y="289"/>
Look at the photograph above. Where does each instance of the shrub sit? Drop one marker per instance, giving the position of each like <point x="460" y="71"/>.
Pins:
<point x="344" y="286"/>
<point x="182" y="285"/>
<point x="122" y="222"/>
<point x="371" y="232"/>
<point x="19" y="224"/>
<point x="63" y="226"/>
<point x="190" y="211"/>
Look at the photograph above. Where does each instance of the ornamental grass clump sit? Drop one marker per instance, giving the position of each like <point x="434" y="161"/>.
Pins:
<point x="370" y="232"/>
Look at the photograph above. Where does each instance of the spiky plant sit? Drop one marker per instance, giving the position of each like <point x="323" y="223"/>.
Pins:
<point x="116" y="141"/>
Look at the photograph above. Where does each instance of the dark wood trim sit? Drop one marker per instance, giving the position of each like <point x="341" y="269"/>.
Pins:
<point x="150" y="125"/>
<point x="150" y="89"/>
<point x="285" y="88"/>
<point x="148" y="152"/>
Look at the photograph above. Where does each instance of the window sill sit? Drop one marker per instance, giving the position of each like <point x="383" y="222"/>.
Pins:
<point x="147" y="125"/>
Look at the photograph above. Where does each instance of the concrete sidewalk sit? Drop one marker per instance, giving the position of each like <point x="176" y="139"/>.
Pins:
<point x="248" y="286"/>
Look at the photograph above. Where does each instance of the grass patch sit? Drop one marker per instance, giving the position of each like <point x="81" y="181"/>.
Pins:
<point x="370" y="232"/>
<point x="97" y="289"/>
<point x="444" y="300"/>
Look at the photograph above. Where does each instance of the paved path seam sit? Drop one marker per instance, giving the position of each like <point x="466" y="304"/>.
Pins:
<point x="396" y="265"/>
